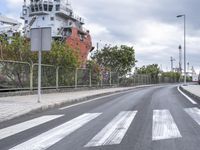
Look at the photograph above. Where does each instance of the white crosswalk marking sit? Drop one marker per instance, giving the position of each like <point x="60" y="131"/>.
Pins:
<point x="114" y="132"/>
<point x="194" y="113"/>
<point x="49" y="138"/>
<point x="9" y="131"/>
<point x="164" y="126"/>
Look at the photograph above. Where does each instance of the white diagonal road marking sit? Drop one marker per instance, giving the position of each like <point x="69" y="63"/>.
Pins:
<point x="194" y="113"/>
<point x="191" y="100"/>
<point x="12" y="130"/>
<point x="164" y="126"/>
<point x="114" y="132"/>
<point x="49" y="138"/>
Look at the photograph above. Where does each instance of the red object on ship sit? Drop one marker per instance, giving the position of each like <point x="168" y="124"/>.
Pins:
<point x="80" y="40"/>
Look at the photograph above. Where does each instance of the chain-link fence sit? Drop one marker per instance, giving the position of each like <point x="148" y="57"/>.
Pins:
<point x="146" y="79"/>
<point x="15" y="75"/>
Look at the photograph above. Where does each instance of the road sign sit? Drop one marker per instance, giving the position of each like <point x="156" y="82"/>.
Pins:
<point x="40" y="41"/>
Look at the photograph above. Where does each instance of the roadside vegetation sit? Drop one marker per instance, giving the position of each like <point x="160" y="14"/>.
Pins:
<point x="115" y="61"/>
<point x="19" y="50"/>
<point x="120" y="59"/>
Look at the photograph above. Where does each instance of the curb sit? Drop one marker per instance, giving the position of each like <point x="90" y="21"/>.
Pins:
<point x="189" y="93"/>
<point x="71" y="102"/>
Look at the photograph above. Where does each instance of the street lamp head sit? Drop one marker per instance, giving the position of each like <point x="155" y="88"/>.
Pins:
<point x="180" y="16"/>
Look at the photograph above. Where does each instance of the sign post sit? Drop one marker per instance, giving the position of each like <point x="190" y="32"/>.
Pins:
<point x="40" y="41"/>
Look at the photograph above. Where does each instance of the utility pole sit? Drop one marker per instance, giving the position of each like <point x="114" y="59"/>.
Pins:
<point x="172" y="63"/>
<point x="180" y="59"/>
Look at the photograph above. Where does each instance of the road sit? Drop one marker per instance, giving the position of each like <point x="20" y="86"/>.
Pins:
<point x="155" y="118"/>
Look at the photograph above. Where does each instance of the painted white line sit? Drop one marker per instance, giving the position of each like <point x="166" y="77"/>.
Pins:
<point x="194" y="113"/>
<point x="164" y="126"/>
<point x="191" y="100"/>
<point x="114" y="132"/>
<point x="12" y="130"/>
<point x="51" y="137"/>
<point x="93" y="100"/>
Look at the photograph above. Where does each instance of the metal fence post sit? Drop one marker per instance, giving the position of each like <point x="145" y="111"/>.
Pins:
<point x="118" y="79"/>
<point x="101" y="79"/>
<point x="76" y="76"/>
<point x="57" y="78"/>
<point x="146" y="79"/>
<point x="31" y="76"/>
<point x="90" y="78"/>
<point x="110" y="78"/>
<point x="150" y="79"/>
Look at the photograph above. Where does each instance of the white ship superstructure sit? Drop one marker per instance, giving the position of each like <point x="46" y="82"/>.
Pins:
<point x="56" y="14"/>
<point x="8" y="27"/>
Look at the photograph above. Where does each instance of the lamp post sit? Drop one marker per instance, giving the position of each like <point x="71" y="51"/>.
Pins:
<point x="184" y="17"/>
<point x="180" y="59"/>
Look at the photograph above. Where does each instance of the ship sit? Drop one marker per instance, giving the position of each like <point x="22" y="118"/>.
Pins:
<point x="65" y="25"/>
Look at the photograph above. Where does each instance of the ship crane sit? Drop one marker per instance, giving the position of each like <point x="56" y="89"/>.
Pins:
<point x="8" y="26"/>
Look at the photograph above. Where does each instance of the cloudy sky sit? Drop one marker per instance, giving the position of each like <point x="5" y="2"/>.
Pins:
<point x="150" y="26"/>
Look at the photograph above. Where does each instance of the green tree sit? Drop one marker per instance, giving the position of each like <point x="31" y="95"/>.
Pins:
<point x="172" y="76"/>
<point x="118" y="59"/>
<point x="95" y="71"/>
<point x="61" y="55"/>
<point x="19" y="50"/>
<point x="153" y="70"/>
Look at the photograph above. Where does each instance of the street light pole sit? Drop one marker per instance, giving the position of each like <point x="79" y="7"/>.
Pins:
<point x="184" y="16"/>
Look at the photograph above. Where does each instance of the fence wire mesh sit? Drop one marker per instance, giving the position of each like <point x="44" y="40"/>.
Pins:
<point x="48" y="78"/>
<point x="16" y="75"/>
<point x="66" y="77"/>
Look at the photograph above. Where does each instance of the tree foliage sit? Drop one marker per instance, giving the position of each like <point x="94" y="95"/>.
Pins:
<point x="62" y="55"/>
<point x="153" y="69"/>
<point x="118" y="59"/>
<point x="175" y="75"/>
<point x="19" y="50"/>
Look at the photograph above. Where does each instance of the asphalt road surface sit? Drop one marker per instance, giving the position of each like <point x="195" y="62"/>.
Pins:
<point x="155" y="118"/>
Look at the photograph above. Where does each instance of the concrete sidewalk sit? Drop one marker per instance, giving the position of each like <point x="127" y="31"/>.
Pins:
<point x="15" y="106"/>
<point x="193" y="90"/>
